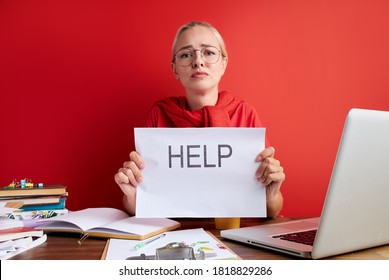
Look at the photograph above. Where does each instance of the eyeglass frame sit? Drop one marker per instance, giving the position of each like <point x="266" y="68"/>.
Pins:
<point x="201" y="53"/>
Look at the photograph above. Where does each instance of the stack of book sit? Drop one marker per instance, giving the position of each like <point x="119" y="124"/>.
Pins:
<point x="35" y="202"/>
<point x="16" y="238"/>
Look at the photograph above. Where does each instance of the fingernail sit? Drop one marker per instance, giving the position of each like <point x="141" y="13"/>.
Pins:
<point x="259" y="158"/>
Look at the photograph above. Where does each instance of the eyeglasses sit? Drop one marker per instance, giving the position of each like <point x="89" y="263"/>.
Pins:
<point x="209" y="55"/>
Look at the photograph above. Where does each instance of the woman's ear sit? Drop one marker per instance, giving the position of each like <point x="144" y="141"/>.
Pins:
<point x="224" y="64"/>
<point x="174" y="71"/>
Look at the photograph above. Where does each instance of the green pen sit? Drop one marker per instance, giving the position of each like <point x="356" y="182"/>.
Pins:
<point x="142" y="244"/>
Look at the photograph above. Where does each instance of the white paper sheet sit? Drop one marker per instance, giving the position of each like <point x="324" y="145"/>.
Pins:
<point x="200" y="172"/>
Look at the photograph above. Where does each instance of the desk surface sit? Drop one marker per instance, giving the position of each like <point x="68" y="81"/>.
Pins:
<point x="65" y="246"/>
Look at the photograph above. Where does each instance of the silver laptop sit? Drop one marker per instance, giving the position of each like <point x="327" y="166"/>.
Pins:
<point x="355" y="214"/>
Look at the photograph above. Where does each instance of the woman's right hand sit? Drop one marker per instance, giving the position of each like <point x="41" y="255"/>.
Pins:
<point x="128" y="178"/>
<point x="130" y="174"/>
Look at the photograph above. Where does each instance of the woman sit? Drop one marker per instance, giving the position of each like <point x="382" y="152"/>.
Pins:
<point x="199" y="60"/>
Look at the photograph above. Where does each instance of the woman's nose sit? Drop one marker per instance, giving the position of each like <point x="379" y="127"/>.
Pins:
<point x="197" y="59"/>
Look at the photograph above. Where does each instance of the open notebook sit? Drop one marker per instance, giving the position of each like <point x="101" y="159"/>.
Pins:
<point x="107" y="223"/>
<point x="355" y="212"/>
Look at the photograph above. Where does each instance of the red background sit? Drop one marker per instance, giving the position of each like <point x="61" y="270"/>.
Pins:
<point x="77" y="76"/>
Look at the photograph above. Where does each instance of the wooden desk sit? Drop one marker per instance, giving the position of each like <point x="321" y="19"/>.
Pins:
<point x="65" y="246"/>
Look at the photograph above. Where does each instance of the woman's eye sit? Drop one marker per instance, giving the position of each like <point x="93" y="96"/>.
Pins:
<point x="186" y="55"/>
<point x="209" y="53"/>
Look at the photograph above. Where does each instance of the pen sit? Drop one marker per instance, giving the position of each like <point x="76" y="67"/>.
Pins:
<point x="142" y="244"/>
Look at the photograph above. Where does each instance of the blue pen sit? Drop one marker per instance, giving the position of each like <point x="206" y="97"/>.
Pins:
<point x="142" y="244"/>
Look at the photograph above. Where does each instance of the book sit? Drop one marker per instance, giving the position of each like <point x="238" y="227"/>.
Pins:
<point x="198" y="239"/>
<point x="7" y="223"/>
<point x="19" y="232"/>
<point x="51" y="206"/>
<point x="107" y="223"/>
<point x="33" y="200"/>
<point x="13" y="204"/>
<point x="45" y="190"/>
<point x="37" y="214"/>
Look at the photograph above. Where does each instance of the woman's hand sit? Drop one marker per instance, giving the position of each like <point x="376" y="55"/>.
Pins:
<point x="271" y="174"/>
<point x="128" y="178"/>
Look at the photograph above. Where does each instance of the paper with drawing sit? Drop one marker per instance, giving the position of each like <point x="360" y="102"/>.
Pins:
<point x="200" y="172"/>
<point x="198" y="239"/>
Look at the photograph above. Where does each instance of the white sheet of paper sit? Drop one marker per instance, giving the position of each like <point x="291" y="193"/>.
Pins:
<point x="208" y="172"/>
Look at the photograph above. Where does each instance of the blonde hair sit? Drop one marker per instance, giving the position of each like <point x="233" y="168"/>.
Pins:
<point x="192" y="24"/>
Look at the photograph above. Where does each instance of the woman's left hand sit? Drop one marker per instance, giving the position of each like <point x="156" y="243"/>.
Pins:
<point x="270" y="172"/>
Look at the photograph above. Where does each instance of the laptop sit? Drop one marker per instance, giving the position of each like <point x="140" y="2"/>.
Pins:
<point x="355" y="213"/>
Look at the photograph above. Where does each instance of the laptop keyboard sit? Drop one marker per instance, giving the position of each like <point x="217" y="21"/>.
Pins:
<point x="303" y="237"/>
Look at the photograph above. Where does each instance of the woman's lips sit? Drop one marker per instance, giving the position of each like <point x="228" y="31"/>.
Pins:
<point x="199" y="75"/>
